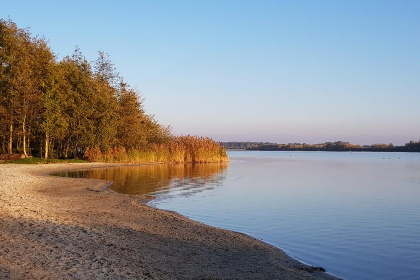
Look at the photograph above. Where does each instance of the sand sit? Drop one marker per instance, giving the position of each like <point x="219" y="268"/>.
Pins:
<point x="69" y="228"/>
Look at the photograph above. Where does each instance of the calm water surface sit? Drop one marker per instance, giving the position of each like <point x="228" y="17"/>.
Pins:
<point x="355" y="214"/>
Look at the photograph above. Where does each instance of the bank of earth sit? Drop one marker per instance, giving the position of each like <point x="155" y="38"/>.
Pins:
<point x="70" y="228"/>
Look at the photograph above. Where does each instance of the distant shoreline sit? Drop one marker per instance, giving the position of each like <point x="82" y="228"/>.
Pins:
<point x="338" y="146"/>
<point x="55" y="228"/>
<point x="308" y="150"/>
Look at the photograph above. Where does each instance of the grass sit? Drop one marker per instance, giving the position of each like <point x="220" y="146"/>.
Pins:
<point x="183" y="149"/>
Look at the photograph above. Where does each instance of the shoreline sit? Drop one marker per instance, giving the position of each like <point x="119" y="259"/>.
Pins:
<point x="73" y="228"/>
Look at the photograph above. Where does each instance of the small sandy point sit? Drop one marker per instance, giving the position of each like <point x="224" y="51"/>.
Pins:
<point x="69" y="228"/>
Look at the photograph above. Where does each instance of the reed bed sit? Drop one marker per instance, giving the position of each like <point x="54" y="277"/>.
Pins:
<point x="182" y="149"/>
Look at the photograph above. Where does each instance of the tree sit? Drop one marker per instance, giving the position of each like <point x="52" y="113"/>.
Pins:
<point x="105" y="70"/>
<point x="77" y="110"/>
<point x="131" y="118"/>
<point x="8" y="55"/>
<point x="58" y="109"/>
<point x="18" y="52"/>
<point x="24" y="78"/>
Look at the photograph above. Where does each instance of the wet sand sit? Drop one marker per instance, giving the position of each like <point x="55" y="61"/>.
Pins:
<point x="68" y="228"/>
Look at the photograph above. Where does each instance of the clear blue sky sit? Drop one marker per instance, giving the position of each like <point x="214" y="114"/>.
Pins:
<point x="280" y="71"/>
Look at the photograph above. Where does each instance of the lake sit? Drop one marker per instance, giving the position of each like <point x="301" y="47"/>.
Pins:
<point x="355" y="214"/>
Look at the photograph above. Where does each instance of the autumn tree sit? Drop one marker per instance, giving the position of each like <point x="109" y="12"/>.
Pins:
<point x="9" y="53"/>
<point x="61" y="109"/>
<point x="24" y="60"/>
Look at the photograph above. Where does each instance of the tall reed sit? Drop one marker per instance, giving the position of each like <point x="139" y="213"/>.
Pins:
<point x="182" y="149"/>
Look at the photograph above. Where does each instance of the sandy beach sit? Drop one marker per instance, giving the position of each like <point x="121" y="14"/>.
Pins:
<point x="68" y="228"/>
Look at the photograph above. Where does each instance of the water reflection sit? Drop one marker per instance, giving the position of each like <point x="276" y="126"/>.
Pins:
<point x="184" y="179"/>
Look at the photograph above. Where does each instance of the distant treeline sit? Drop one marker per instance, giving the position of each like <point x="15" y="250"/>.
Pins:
<point x="64" y="109"/>
<point x="412" y="146"/>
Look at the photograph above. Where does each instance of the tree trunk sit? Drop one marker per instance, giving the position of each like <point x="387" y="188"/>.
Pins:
<point x="66" y="151"/>
<point x="47" y="140"/>
<point x="24" y="136"/>
<point x="11" y="139"/>
<point x="29" y="139"/>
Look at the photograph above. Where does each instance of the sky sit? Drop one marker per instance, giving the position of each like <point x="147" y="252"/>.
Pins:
<point x="275" y="71"/>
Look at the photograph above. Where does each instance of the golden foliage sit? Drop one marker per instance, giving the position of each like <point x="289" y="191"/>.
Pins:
<point x="183" y="149"/>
